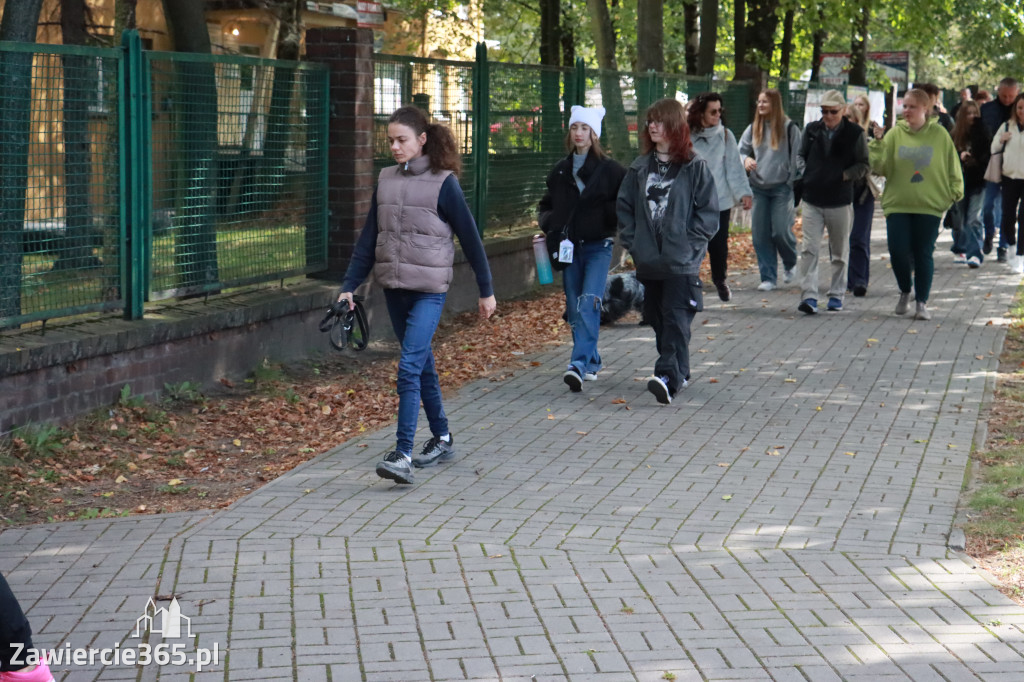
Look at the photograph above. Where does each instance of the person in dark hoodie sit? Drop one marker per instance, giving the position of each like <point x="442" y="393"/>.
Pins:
<point x="668" y="210"/>
<point x="579" y="208"/>
<point x="971" y="138"/>
<point x="994" y="113"/>
<point x="835" y="155"/>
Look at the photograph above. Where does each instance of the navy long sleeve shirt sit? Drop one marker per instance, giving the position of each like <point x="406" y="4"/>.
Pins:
<point x="452" y="209"/>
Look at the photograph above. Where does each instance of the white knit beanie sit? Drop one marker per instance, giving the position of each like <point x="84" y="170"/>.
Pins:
<point x="590" y="115"/>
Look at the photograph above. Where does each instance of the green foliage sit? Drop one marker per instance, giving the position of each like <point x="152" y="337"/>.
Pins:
<point x="41" y="441"/>
<point x="126" y="399"/>
<point x="185" y="392"/>
<point x="266" y="374"/>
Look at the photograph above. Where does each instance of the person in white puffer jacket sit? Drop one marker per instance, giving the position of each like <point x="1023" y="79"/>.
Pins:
<point x="1009" y="140"/>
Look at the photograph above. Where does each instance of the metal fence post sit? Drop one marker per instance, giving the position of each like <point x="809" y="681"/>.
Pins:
<point x="481" y="133"/>
<point x="134" y="174"/>
<point x="580" y="93"/>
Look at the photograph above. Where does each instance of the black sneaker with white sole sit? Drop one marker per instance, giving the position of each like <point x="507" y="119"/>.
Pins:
<point x="573" y="379"/>
<point x="435" y="451"/>
<point x="395" y="467"/>
<point x="658" y="385"/>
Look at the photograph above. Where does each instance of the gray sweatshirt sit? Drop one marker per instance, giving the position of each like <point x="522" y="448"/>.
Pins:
<point x="774" y="166"/>
<point x="717" y="146"/>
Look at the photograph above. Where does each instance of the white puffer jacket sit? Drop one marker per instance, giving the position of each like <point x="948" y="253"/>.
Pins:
<point x="1013" y="154"/>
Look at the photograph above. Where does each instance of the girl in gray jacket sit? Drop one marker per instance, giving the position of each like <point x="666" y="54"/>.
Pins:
<point x="717" y="145"/>
<point x="668" y="210"/>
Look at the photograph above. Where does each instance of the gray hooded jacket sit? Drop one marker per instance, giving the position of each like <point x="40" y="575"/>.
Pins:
<point x="691" y="219"/>
<point x="718" y="147"/>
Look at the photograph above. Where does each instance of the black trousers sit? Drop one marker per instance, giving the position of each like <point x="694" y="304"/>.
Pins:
<point x="718" y="249"/>
<point x="670" y="306"/>
<point x="14" y="628"/>
<point x="1013" y="212"/>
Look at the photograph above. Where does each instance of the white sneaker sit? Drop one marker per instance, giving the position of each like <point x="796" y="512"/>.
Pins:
<point x="974" y="262"/>
<point x="766" y="286"/>
<point x="788" y="275"/>
<point x="1017" y="265"/>
<point x="590" y="376"/>
<point x="959" y="259"/>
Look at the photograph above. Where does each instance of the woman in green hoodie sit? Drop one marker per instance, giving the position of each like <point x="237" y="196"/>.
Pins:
<point x="923" y="179"/>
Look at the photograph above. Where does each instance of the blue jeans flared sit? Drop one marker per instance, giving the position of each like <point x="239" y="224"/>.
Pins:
<point x="971" y="238"/>
<point x="414" y="317"/>
<point x="771" y="227"/>
<point x="584" y="282"/>
<point x="859" y="272"/>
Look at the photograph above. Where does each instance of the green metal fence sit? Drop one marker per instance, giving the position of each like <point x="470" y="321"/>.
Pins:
<point x="519" y="114"/>
<point x="127" y="176"/>
<point x="238" y="171"/>
<point x="60" y="241"/>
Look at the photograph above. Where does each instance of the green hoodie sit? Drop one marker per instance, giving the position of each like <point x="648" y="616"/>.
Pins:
<point x="922" y="169"/>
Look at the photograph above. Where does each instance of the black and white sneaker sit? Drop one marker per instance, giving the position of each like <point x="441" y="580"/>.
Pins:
<point x="658" y="385"/>
<point x="573" y="380"/>
<point x="395" y="467"/>
<point x="434" y="451"/>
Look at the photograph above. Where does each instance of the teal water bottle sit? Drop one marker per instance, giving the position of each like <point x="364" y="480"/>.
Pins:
<point x="540" y="254"/>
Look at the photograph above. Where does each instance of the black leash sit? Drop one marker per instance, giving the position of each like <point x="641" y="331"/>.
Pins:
<point x="347" y="327"/>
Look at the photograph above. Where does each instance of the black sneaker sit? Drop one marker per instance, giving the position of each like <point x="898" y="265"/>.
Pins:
<point x="573" y="379"/>
<point x="860" y="291"/>
<point x="658" y="385"/>
<point x="1000" y="255"/>
<point x="395" y="467"/>
<point x="724" y="293"/>
<point x="987" y="249"/>
<point x="435" y="450"/>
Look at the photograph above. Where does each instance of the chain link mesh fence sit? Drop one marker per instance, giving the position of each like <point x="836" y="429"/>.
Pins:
<point x="238" y="171"/>
<point x="60" y="250"/>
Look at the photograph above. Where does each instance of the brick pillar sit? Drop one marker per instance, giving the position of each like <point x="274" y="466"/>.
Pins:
<point x="348" y="52"/>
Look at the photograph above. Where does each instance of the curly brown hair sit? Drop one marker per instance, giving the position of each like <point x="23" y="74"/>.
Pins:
<point x="440" y="147"/>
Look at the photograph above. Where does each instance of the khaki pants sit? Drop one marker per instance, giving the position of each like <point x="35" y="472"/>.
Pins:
<point x="838" y="221"/>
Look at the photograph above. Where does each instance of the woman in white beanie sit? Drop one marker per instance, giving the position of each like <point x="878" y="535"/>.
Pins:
<point x="577" y="214"/>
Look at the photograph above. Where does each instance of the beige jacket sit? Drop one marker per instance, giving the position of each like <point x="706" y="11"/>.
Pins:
<point x="1013" y="155"/>
<point x="414" y="246"/>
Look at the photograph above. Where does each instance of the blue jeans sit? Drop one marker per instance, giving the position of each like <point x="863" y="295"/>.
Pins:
<point x="911" y="239"/>
<point x="771" y="223"/>
<point x="414" y="317"/>
<point x="584" y="282"/>
<point x="858" y="274"/>
<point x="992" y="212"/>
<point x="971" y="237"/>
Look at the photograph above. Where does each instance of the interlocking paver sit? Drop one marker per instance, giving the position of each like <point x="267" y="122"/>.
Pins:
<point x="581" y="538"/>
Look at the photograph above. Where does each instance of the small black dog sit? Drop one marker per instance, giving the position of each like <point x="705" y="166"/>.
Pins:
<point x="622" y="293"/>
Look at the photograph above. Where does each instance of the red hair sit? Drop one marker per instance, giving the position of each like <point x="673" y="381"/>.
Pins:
<point x="671" y="114"/>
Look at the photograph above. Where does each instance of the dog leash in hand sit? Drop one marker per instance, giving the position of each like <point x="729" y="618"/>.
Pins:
<point x="347" y="327"/>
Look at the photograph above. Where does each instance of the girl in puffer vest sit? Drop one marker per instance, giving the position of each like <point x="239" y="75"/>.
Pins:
<point x="406" y="242"/>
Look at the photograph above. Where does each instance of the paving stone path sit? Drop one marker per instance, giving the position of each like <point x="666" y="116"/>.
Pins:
<point x="786" y="518"/>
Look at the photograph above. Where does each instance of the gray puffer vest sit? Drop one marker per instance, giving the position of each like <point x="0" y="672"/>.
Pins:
<point x="414" y="246"/>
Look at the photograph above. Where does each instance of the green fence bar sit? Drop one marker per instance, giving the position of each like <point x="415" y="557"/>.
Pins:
<point x="134" y="175"/>
<point x="481" y="134"/>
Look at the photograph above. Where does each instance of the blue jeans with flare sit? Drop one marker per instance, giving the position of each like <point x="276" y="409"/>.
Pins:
<point x="584" y="282"/>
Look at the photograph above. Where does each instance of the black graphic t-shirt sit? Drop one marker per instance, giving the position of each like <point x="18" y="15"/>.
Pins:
<point x="658" y="187"/>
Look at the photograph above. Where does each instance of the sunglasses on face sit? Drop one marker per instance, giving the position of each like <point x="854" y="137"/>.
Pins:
<point x="829" y="111"/>
<point x="715" y="112"/>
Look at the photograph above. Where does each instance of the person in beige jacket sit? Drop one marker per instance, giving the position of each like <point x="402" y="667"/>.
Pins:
<point x="1009" y="140"/>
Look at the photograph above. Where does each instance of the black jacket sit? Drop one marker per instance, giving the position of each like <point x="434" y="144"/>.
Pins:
<point x="594" y="217"/>
<point x="979" y="141"/>
<point x="831" y="169"/>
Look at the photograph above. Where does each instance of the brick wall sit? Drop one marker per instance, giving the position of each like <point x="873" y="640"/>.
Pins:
<point x="348" y="53"/>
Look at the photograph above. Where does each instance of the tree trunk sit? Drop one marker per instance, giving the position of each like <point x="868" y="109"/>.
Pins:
<point x="708" y="37"/>
<point x="754" y="52"/>
<point x="786" y="49"/>
<point x="859" y="45"/>
<point x="650" y="35"/>
<point x="195" y="248"/>
<point x="550" y="28"/>
<point x="818" y="44"/>
<point x="739" y="32"/>
<point x="691" y="44"/>
<point x="19" y="23"/>
<point x="275" y="146"/>
<point x="611" y="93"/>
<point x="77" y="70"/>
<point x="567" y="37"/>
<point x="124" y="17"/>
